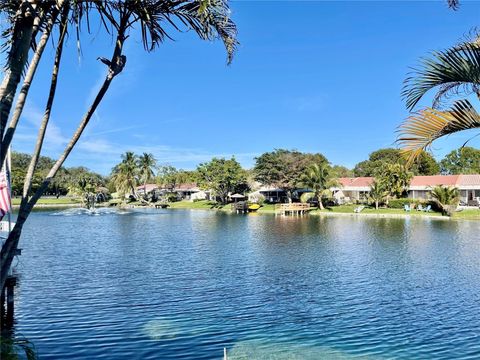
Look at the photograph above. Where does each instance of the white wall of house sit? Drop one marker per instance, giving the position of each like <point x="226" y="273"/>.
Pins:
<point x="199" y="195"/>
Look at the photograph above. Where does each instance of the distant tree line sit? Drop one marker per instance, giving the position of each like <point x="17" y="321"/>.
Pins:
<point x="281" y="168"/>
<point x="67" y="179"/>
<point x="464" y="160"/>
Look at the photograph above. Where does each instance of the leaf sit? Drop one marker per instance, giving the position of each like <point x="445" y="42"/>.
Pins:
<point x="422" y="128"/>
<point x="455" y="70"/>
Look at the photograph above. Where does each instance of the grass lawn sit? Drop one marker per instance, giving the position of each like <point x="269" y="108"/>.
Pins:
<point x="203" y="204"/>
<point x="473" y="214"/>
<point x="346" y="209"/>
<point x="51" y="201"/>
<point x="206" y="204"/>
<point x="470" y="214"/>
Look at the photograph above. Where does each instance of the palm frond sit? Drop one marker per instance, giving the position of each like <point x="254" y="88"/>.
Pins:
<point x="209" y="19"/>
<point x="458" y="67"/>
<point x="453" y="4"/>
<point x="422" y="128"/>
<point x="452" y="90"/>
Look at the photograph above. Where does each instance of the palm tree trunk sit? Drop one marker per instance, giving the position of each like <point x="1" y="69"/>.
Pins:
<point x="25" y="20"/>
<point x="320" y="205"/>
<point x="22" y="96"/>
<point x="9" y="247"/>
<point x="376" y="204"/>
<point x="48" y="108"/>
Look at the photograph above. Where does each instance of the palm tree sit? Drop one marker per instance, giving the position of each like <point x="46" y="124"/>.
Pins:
<point x="455" y="71"/>
<point x="395" y="178"/>
<point x="208" y="19"/>
<point x="125" y="175"/>
<point x="447" y="197"/>
<point x="146" y="164"/>
<point x="86" y="187"/>
<point x="378" y="192"/>
<point x="318" y="179"/>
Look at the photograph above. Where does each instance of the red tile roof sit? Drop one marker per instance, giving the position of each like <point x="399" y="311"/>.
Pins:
<point x="434" y="180"/>
<point x="469" y="180"/>
<point x="421" y="181"/>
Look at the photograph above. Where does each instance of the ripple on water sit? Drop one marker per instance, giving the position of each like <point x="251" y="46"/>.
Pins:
<point x="268" y="350"/>
<point x="148" y="284"/>
<point x="90" y="212"/>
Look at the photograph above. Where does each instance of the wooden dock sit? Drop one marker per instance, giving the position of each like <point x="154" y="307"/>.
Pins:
<point x="292" y="209"/>
<point x="240" y="207"/>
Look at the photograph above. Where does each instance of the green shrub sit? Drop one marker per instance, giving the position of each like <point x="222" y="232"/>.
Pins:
<point x="171" y="197"/>
<point x="400" y="203"/>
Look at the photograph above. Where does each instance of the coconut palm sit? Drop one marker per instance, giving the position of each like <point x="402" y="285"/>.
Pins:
<point x="447" y="197"/>
<point x="318" y="179"/>
<point x="209" y="19"/>
<point x="125" y="175"/>
<point x="86" y="187"/>
<point x="378" y="192"/>
<point x="456" y="72"/>
<point x="146" y="164"/>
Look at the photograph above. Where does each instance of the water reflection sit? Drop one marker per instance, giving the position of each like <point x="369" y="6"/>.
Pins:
<point x="185" y="284"/>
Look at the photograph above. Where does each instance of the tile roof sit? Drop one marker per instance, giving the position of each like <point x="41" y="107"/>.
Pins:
<point x="186" y="187"/>
<point x="469" y="180"/>
<point x="434" y="180"/>
<point x="149" y="187"/>
<point x="356" y="182"/>
<point x="421" y="181"/>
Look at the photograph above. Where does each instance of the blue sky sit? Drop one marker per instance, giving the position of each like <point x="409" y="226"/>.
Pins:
<point x="314" y="76"/>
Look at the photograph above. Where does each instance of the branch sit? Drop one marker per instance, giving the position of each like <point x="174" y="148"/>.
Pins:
<point x="7" y="139"/>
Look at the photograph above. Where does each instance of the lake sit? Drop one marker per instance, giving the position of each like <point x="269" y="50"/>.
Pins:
<point x="180" y="284"/>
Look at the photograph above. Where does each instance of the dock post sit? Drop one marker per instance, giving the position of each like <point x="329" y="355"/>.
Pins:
<point x="10" y="303"/>
<point x="2" y="305"/>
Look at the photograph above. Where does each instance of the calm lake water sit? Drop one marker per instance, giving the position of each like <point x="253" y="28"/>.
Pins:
<point x="173" y="284"/>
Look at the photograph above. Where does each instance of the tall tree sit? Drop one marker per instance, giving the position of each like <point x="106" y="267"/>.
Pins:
<point x="340" y="171"/>
<point x="465" y="160"/>
<point x="424" y="164"/>
<point x="284" y="168"/>
<point x="222" y="176"/>
<point x="125" y="175"/>
<point x="378" y="192"/>
<point x="168" y="177"/>
<point x="146" y="166"/>
<point x="396" y="178"/>
<point x="318" y="178"/>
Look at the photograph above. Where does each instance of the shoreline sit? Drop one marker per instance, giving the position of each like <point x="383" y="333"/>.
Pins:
<point x="392" y="216"/>
<point x="271" y="211"/>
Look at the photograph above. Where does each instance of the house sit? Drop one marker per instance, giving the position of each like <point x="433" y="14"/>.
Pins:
<point x="354" y="189"/>
<point x="190" y="191"/>
<point x="148" y="189"/>
<point x="468" y="185"/>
